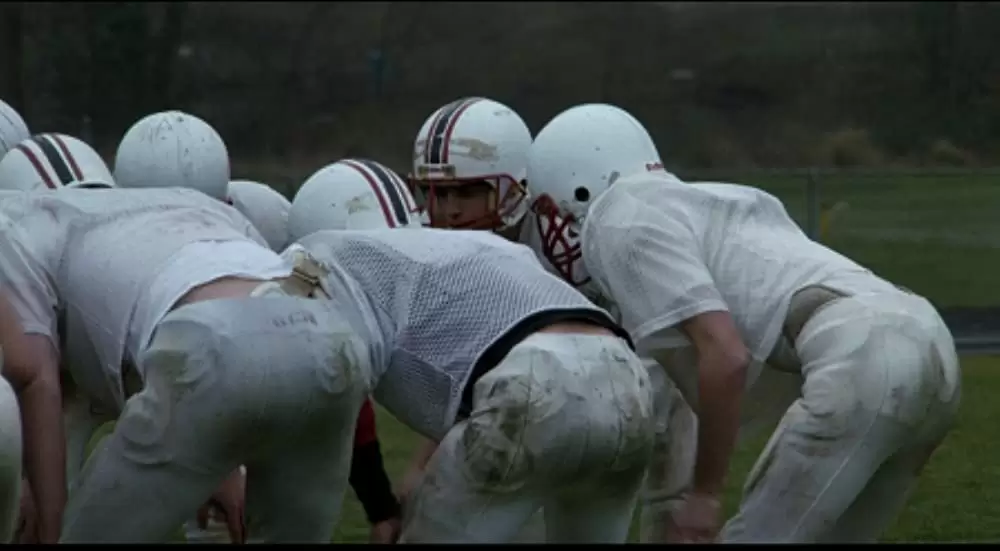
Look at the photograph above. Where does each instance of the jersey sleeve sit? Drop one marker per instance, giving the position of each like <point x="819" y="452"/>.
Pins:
<point x="26" y="282"/>
<point x="365" y="432"/>
<point x="651" y="264"/>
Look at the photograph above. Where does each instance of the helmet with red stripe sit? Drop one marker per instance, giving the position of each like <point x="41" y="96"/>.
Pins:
<point x="469" y="163"/>
<point x="13" y="130"/>
<point x="53" y="161"/>
<point x="173" y="149"/>
<point x="265" y="208"/>
<point x="352" y="194"/>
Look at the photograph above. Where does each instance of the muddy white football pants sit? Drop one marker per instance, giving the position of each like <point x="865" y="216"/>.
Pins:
<point x="10" y="460"/>
<point x="274" y="383"/>
<point x="81" y="421"/>
<point x="671" y="468"/>
<point x="881" y="391"/>
<point x="564" y="422"/>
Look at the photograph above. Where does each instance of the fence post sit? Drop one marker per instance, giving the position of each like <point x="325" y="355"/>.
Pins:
<point x="812" y="205"/>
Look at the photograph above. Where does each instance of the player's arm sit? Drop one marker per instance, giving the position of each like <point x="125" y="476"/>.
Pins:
<point x="722" y="365"/>
<point x="368" y="477"/>
<point x="31" y="364"/>
<point x="652" y="265"/>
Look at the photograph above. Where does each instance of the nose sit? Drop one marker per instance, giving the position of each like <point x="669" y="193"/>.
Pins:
<point x="449" y="207"/>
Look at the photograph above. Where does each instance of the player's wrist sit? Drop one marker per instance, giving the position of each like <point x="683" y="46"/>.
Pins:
<point x="706" y="494"/>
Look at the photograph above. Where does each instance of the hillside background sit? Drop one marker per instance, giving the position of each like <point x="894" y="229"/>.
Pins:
<point x="719" y="85"/>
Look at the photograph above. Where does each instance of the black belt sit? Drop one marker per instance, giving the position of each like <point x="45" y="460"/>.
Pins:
<point x="497" y="351"/>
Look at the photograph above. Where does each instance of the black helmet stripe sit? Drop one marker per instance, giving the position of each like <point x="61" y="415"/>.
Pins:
<point x="55" y="159"/>
<point x="380" y="172"/>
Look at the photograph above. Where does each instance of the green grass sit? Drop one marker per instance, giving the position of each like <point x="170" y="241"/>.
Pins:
<point x="939" y="236"/>
<point x="958" y="498"/>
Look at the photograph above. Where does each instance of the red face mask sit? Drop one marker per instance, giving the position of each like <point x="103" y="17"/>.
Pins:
<point x="497" y="208"/>
<point x="560" y="241"/>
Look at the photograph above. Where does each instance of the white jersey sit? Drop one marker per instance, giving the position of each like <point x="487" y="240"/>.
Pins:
<point x="666" y="251"/>
<point x="441" y="299"/>
<point x="104" y="258"/>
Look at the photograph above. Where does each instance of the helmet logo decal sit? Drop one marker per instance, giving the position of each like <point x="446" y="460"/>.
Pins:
<point x="360" y="203"/>
<point x="477" y="149"/>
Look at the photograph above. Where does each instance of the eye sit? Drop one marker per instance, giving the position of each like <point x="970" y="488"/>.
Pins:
<point x="581" y="194"/>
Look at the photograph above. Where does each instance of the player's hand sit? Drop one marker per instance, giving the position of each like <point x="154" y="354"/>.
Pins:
<point x="410" y="482"/>
<point x="227" y="504"/>
<point x="386" y="531"/>
<point x="696" y="521"/>
<point x="27" y="520"/>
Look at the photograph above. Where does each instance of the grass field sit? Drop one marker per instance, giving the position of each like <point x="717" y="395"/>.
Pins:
<point x="958" y="498"/>
<point x="939" y="236"/>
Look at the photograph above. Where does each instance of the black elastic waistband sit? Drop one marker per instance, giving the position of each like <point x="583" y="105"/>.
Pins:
<point x="524" y="328"/>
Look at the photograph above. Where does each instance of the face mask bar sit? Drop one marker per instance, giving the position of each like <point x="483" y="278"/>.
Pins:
<point x="560" y="240"/>
<point x="503" y="201"/>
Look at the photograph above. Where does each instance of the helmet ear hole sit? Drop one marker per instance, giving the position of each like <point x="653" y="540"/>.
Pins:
<point x="581" y="194"/>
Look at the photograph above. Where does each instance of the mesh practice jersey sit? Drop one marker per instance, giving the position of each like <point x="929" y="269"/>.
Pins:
<point x="440" y="299"/>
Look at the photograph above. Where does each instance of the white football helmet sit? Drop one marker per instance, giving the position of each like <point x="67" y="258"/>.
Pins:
<point x="13" y="130"/>
<point x="53" y="161"/>
<point x="575" y="158"/>
<point x="265" y="208"/>
<point x="352" y="194"/>
<point x="474" y="140"/>
<point x="173" y="149"/>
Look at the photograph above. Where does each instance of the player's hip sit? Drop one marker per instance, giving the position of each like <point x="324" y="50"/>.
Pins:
<point x="890" y="352"/>
<point x="260" y="339"/>
<point x="575" y="403"/>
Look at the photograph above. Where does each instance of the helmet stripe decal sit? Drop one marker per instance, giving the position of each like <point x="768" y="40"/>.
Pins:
<point x="77" y="173"/>
<point x="404" y="192"/>
<point x="430" y="132"/>
<point x="380" y="172"/>
<point x="33" y="159"/>
<point x="446" y="142"/>
<point x="435" y="145"/>
<point x="54" y="159"/>
<point x="375" y="189"/>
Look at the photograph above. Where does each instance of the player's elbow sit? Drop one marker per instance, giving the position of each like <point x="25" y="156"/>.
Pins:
<point x="33" y="367"/>
<point x="720" y="345"/>
<point x="730" y="363"/>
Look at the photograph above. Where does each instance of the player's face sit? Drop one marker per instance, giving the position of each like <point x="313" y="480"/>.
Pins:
<point x="460" y="205"/>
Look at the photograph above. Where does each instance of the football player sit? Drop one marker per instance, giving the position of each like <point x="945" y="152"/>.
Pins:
<point x="714" y="280"/>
